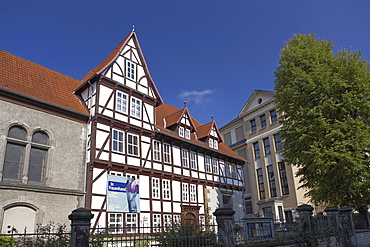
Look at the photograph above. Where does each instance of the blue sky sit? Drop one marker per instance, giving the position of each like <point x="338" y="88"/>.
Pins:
<point x="211" y="53"/>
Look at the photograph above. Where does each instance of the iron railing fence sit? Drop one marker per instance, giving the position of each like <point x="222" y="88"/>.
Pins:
<point x="174" y="236"/>
<point x="44" y="236"/>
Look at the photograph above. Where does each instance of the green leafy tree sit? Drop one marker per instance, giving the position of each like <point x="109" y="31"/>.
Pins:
<point x="325" y="102"/>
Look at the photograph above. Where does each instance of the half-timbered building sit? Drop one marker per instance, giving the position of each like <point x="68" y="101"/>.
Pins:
<point x="183" y="169"/>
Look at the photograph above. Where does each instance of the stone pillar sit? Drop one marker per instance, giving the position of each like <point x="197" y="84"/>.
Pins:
<point x="332" y="216"/>
<point x="80" y="227"/>
<point x="305" y="219"/>
<point x="348" y="234"/>
<point x="225" y="224"/>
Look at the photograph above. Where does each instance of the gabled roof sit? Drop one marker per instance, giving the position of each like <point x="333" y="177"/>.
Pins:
<point x="205" y="130"/>
<point x="167" y="115"/>
<point x="267" y="96"/>
<point x="33" y="80"/>
<point x="176" y="117"/>
<point x="164" y="111"/>
<point x="108" y="62"/>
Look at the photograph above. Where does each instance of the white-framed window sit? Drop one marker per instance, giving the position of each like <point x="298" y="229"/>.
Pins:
<point x="167" y="220"/>
<point x="181" y="131"/>
<point x="131" y="223"/>
<point x="117" y="144"/>
<point x="227" y="169"/>
<point x="155" y="188"/>
<point x="121" y="102"/>
<point x="133" y="144"/>
<point x="157" y="150"/>
<point x="185" y="155"/>
<point x="193" y="193"/>
<point x="156" y="222"/>
<point x="193" y="160"/>
<point x="115" y="222"/>
<point x="215" y="165"/>
<point x="185" y="192"/>
<point x="208" y="164"/>
<point x="202" y="222"/>
<point x="166" y="153"/>
<point x="119" y="174"/>
<point x="215" y="144"/>
<point x="135" y="107"/>
<point x="166" y="189"/>
<point x="187" y="134"/>
<point x="130" y="70"/>
<point x="210" y="141"/>
<point x="177" y="219"/>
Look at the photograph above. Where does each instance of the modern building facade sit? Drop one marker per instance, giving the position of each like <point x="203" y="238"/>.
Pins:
<point x="273" y="188"/>
<point x="42" y="145"/>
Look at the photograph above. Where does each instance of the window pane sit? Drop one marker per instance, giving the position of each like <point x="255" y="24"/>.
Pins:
<point x="17" y="133"/>
<point x="37" y="164"/>
<point x="40" y="137"/>
<point x="14" y="158"/>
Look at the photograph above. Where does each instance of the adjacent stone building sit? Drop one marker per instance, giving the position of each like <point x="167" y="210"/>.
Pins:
<point x="42" y="145"/>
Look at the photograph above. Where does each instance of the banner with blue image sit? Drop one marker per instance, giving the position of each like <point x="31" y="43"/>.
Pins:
<point x="123" y="194"/>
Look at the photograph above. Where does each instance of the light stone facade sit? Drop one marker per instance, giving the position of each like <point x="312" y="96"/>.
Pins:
<point x="271" y="187"/>
<point x="25" y="203"/>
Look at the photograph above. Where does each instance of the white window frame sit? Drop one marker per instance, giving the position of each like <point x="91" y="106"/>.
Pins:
<point x="193" y="193"/>
<point x="131" y="70"/>
<point x="155" y="188"/>
<point x="215" y="166"/>
<point x="185" y="157"/>
<point x="166" y="153"/>
<point x="193" y="160"/>
<point x="117" y="141"/>
<point x="132" y="146"/>
<point x="215" y="144"/>
<point x="131" y="225"/>
<point x="167" y="220"/>
<point x="156" y="223"/>
<point x="177" y="219"/>
<point x="166" y="190"/>
<point x="181" y="131"/>
<point x="187" y="134"/>
<point x="208" y="164"/>
<point x="115" y="226"/>
<point x="185" y="192"/>
<point x="210" y="142"/>
<point x="135" y="107"/>
<point x="121" y="102"/>
<point x="157" y="150"/>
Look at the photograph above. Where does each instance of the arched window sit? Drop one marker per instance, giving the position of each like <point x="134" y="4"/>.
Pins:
<point x="15" y="153"/>
<point x="38" y="156"/>
<point x="24" y="156"/>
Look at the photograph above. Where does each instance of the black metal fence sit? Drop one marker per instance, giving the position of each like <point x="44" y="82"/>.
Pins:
<point x="45" y="236"/>
<point x="170" y="235"/>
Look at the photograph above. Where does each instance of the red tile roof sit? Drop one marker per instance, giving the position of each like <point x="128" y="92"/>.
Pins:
<point x="166" y="111"/>
<point x="31" y="79"/>
<point x="113" y="56"/>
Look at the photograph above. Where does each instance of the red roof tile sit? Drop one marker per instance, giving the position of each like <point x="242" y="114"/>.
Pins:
<point x="164" y="111"/>
<point x="31" y="79"/>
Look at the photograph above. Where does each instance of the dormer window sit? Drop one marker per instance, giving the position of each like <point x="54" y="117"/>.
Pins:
<point x="187" y="134"/>
<point x="181" y="131"/>
<point x="130" y="69"/>
<point x="215" y="144"/>
<point x="210" y="143"/>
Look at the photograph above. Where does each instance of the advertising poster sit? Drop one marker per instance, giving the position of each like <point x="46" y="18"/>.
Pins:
<point x="123" y="194"/>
